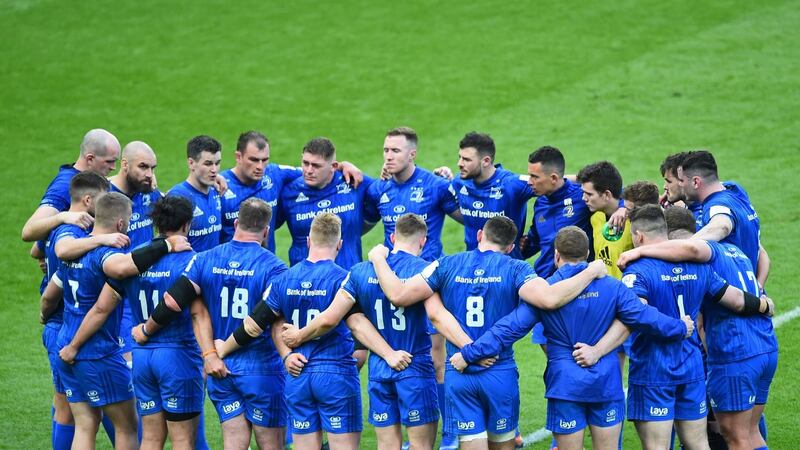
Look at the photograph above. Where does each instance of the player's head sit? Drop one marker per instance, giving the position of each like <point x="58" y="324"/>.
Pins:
<point x="252" y="156"/>
<point x="681" y="223"/>
<point x="499" y="232"/>
<point x="399" y="149"/>
<point x="572" y="245"/>
<point x="138" y="165"/>
<point x="545" y="170"/>
<point x="326" y="232"/>
<point x="698" y="170"/>
<point x="254" y="217"/>
<point x="647" y="225"/>
<point x="204" y="155"/>
<point x="112" y="212"/>
<point x="476" y="154"/>
<point x="100" y="150"/>
<point x="172" y="215"/>
<point x="669" y="170"/>
<point x="319" y="162"/>
<point x="84" y="189"/>
<point x="601" y="184"/>
<point x="640" y="193"/>
<point x="410" y="233"/>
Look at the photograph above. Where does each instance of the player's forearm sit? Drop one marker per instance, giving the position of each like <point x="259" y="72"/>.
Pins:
<point x="93" y="321"/>
<point x="365" y="332"/>
<point x="51" y="297"/>
<point x="613" y="338"/>
<point x="390" y="284"/>
<point x="457" y="216"/>
<point x="282" y="348"/>
<point x="678" y="250"/>
<point x="201" y="325"/>
<point x="37" y="228"/>
<point x="447" y="325"/>
<point x="651" y="321"/>
<point x="717" y="229"/>
<point x="743" y="303"/>
<point x="762" y="269"/>
<point x="69" y="249"/>
<point x="36" y="252"/>
<point x="545" y="296"/>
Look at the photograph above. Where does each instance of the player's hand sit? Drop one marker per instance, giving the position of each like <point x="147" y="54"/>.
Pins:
<point x="42" y="318"/>
<point x="616" y="223"/>
<point x="116" y="240"/>
<point x="138" y="334"/>
<point x="290" y="335"/>
<point x="687" y="320"/>
<point x="68" y="353"/>
<point x="585" y="355"/>
<point x="487" y="362"/>
<point x="398" y="360"/>
<point x="628" y="257"/>
<point x="523" y="243"/>
<point x="770" y="306"/>
<point x="178" y="243"/>
<point x="443" y="172"/>
<point x="458" y="362"/>
<point x="214" y="366"/>
<point x="218" y="344"/>
<point x="42" y="265"/>
<point x="81" y="219"/>
<point x="221" y="184"/>
<point x="294" y="363"/>
<point x="598" y="268"/>
<point x="385" y="175"/>
<point x="379" y="252"/>
<point x="352" y="175"/>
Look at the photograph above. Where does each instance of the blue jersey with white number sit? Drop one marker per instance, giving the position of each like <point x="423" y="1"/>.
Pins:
<point x="732" y="202"/>
<point x="268" y="189"/>
<point x="479" y="288"/>
<point x="729" y="336"/>
<point x="53" y="263"/>
<point x="424" y="194"/>
<point x="300" y="203"/>
<point x="503" y="194"/>
<point x="82" y="281"/>
<point x="675" y="289"/>
<point x="299" y="295"/>
<point x="402" y="328"/>
<point x="140" y="229"/>
<point x="233" y="278"/>
<point x="204" y="233"/>
<point x="143" y="293"/>
<point x="551" y="213"/>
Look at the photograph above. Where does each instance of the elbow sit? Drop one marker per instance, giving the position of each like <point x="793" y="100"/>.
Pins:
<point x="27" y="236"/>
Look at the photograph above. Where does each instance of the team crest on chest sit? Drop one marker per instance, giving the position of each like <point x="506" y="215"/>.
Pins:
<point x="146" y="200"/>
<point x="569" y="211"/>
<point x="266" y="182"/>
<point x="496" y="192"/>
<point x="417" y="194"/>
<point x="343" y="188"/>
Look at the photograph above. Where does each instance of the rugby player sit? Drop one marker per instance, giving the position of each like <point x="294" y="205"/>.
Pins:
<point x="640" y="193"/>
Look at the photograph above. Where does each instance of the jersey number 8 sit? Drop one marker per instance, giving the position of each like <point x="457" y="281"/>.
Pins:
<point x="474" y="311"/>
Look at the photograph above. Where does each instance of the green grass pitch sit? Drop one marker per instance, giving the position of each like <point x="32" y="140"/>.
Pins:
<point x="629" y="81"/>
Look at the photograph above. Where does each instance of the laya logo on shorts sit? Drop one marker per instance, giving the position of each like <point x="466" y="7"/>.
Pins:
<point x="413" y="415"/>
<point x="611" y="415"/>
<point x="382" y="417"/>
<point x="751" y="399"/>
<point x="336" y="422"/>
<point x="567" y="425"/>
<point x="257" y="414"/>
<point x="501" y="424"/>
<point x="703" y="407"/>
<point x="658" y="412"/>
<point x="466" y="425"/>
<point x="94" y="396"/>
<point x="298" y="425"/>
<point x="172" y="402"/>
<point x="231" y="407"/>
<point x="147" y="405"/>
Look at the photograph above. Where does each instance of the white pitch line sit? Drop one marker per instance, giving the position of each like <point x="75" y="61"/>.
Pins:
<point x="543" y="433"/>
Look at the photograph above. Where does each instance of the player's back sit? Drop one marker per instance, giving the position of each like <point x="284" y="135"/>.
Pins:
<point x="52" y="262"/>
<point x="746" y="225"/>
<point x="732" y="337"/>
<point x="402" y="328"/>
<point x="299" y="295"/>
<point x="82" y="280"/>
<point x="233" y="278"/>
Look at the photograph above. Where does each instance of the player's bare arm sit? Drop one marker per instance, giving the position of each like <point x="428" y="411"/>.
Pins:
<point x="675" y="250"/>
<point x="46" y="218"/>
<point x="745" y="303"/>
<point x="126" y="265"/>
<point x="717" y="229"/>
<point x="415" y="289"/>
<point x="106" y="304"/>
<point x="201" y="324"/>
<point x="762" y="269"/>
<point x="445" y="323"/>
<point x="69" y="248"/>
<point x="542" y="295"/>
<point x="365" y="332"/>
<point x="51" y="298"/>
<point x="294" y="337"/>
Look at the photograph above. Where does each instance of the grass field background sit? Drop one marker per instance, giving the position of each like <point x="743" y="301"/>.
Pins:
<point x="628" y="81"/>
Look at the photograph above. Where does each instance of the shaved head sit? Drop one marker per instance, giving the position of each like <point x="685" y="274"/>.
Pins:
<point x="99" y="142"/>
<point x="138" y="166"/>
<point x="136" y="148"/>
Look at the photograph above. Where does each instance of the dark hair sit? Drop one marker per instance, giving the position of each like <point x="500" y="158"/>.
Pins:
<point x="407" y="132"/>
<point x="200" y="144"/>
<point x="258" y="139"/>
<point x="549" y="157"/>
<point x="671" y="163"/>
<point x="254" y="215"/>
<point x="111" y="207"/>
<point x="321" y="147"/>
<point x="87" y="182"/>
<point x="680" y="219"/>
<point x="171" y="213"/>
<point x="572" y="243"/>
<point x="409" y="225"/>
<point x="641" y="193"/>
<point x="603" y="176"/>
<point x="500" y="230"/>
<point x="481" y="142"/>
<point x="700" y="163"/>
<point x="648" y="219"/>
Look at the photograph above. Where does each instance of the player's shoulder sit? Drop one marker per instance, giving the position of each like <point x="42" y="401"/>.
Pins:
<point x="181" y="189"/>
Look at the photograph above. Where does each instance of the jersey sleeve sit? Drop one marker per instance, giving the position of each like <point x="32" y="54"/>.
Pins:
<point x="716" y="208"/>
<point x="371" y="213"/>
<point x="523" y="274"/>
<point x="533" y="246"/>
<point x="447" y="197"/>
<point x="57" y="195"/>
<point x="272" y="298"/>
<point x="433" y="274"/>
<point x="509" y="329"/>
<point x="715" y="285"/>
<point x="350" y="285"/>
<point x="647" y="319"/>
<point x="289" y="173"/>
<point x="523" y="188"/>
<point x="193" y="270"/>
<point x="636" y="282"/>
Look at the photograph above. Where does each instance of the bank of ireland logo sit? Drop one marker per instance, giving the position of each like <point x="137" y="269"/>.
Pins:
<point x="479" y="272"/>
<point x="399" y="209"/>
<point x="611" y="415"/>
<point x="134" y="217"/>
<point x="477" y="205"/>
<point x="305" y="285"/>
<point x="212" y="219"/>
<point x="336" y="422"/>
<point x="234" y="264"/>
<point x="324" y="203"/>
<point x="677" y="270"/>
<point x="413" y="415"/>
<point x="501" y="424"/>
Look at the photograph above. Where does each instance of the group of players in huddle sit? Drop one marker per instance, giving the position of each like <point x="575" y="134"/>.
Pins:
<point x="137" y="328"/>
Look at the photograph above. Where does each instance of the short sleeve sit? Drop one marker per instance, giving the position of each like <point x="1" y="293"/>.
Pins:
<point x="371" y="212"/>
<point x="636" y="282"/>
<point x="447" y="197"/>
<point x="523" y="274"/>
<point x="716" y="285"/>
<point x="193" y="270"/>
<point x="433" y="274"/>
<point x="350" y="286"/>
<point x="272" y="298"/>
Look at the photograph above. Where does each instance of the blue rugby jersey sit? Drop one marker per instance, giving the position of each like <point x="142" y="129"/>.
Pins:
<point x="551" y="213"/>
<point x="674" y="289"/>
<point x="299" y="204"/>
<point x="424" y="194"/>
<point x="697" y="207"/>
<point x="731" y="337"/>
<point x="57" y="193"/>
<point x="268" y="189"/>
<point x="733" y="202"/>
<point x="479" y="288"/>
<point x="204" y="233"/>
<point x="53" y="263"/>
<point x="83" y="279"/>
<point x="402" y="328"/>
<point x="140" y="229"/>
<point x="299" y="295"/>
<point x="144" y="292"/>
<point x="233" y="278"/>
<point x="503" y="194"/>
